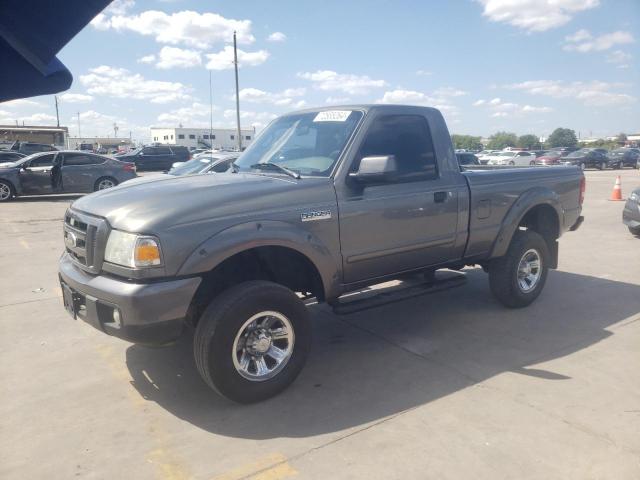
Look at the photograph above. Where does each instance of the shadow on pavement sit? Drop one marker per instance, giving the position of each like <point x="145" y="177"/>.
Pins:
<point x="373" y="364"/>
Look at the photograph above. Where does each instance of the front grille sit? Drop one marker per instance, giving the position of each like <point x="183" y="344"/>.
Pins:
<point x="84" y="236"/>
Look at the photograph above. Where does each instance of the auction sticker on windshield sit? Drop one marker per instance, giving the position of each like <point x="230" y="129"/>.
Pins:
<point x="332" y="116"/>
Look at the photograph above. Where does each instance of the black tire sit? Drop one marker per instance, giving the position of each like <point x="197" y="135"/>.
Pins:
<point x="634" y="231"/>
<point x="7" y="192"/>
<point x="602" y="166"/>
<point x="512" y="164"/>
<point x="582" y="166"/>
<point x="96" y="186"/>
<point x="222" y="321"/>
<point x="503" y="271"/>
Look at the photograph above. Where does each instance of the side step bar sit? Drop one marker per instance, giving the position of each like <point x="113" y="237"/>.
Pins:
<point x="345" y="306"/>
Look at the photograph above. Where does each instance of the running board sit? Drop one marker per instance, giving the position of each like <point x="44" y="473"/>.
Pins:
<point x="396" y="294"/>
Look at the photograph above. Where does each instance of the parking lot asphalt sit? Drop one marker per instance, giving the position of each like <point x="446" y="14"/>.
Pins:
<point x="448" y="386"/>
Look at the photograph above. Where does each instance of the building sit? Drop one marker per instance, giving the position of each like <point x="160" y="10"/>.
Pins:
<point x="108" y="143"/>
<point x="221" y="138"/>
<point x="36" y="134"/>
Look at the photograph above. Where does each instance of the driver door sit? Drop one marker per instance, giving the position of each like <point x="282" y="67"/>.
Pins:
<point x="35" y="177"/>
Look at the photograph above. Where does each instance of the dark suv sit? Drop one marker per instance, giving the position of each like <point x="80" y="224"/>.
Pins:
<point x="28" y="148"/>
<point x="156" y="157"/>
<point x="623" y="157"/>
<point x="587" y="157"/>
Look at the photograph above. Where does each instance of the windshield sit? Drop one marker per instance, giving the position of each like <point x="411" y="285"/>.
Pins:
<point x="307" y="143"/>
<point x="196" y="165"/>
<point x="578" y="153"/>
<point x="506" y="154"/>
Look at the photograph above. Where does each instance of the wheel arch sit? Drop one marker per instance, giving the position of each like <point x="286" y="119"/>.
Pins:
<point x="538" y="209"/>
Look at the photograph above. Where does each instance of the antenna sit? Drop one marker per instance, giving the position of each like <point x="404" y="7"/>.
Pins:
<point x="57" y="114"/>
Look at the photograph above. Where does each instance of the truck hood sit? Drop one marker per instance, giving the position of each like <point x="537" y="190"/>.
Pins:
<point x="154" y="203"/>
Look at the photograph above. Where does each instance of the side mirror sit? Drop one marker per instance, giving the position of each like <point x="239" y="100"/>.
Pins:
<point x="25" y="168"/>
<point x="378" y="169"/>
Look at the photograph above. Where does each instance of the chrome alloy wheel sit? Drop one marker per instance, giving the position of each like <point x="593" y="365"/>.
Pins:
<point x="529" y="270"/>
<point x="106" y="183"/>
<point x="263" y="346"/>
<point x="5" y="192"/>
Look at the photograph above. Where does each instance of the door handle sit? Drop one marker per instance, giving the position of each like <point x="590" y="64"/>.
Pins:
<point x="440" y="197"/>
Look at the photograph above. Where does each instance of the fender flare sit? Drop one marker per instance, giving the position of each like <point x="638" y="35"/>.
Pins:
<point x="528" y="200"/>
<point x="245" y="236"/>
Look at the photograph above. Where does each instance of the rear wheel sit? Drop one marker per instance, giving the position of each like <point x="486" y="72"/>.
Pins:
<point x="517" y="278"/>
<point x="105" y="182"/>
<point x="252" y="341"/>
<point x="512" y="163"/>
<point x="532" y="163"/>
<point x="6" y="191"/>
<point x="582" y="165"/>
<point x="602" y="166"/>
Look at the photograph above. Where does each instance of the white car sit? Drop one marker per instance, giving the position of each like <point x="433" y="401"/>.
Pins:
<point x="513" y="158"/>
<point x="484" y="155"/>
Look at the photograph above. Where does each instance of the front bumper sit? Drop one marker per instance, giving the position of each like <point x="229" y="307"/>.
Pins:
<point x="631" y="214"/>
<point x="148" y="313"/>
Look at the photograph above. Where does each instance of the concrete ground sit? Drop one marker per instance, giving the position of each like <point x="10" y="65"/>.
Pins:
<point x="446" y="386"/>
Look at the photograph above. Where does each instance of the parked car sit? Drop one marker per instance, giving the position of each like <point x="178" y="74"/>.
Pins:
<point x="631" y="212"/>
<point x="538" y="153"/>
<point x="8" y="156"/>
<point x="564" y="151"/>
<point x="484" y="155"/>
<point x="205" y="164"/>
<point x="322" y="204"/>
<point x="467" y="159"/>
<point x="551" y="157"/>
<point x="512" y="158"/>
<point x="623" y="157"/>
<point x="586" y="158"/>
<point x="62" y="172"/>
<point x="156" y="157"/>
<point x="28" y="148"/>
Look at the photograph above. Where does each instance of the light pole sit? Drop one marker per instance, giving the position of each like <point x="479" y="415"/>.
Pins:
<point x="235" y="63"/>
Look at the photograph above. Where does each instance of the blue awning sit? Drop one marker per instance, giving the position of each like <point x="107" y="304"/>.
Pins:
<point x="32" y="32"/>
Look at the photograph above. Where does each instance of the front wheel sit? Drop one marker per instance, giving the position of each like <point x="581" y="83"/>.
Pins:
<point x="602" y="166"/>
<point x="252" y="341"/>
<point x="582" y="166"/>
<point x="512" y="163"/>
<point x="517" y="278"/>
<point x="635" y="231"/>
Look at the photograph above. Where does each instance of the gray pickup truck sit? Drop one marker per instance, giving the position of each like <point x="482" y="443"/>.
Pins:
<point x="324" y="202"/>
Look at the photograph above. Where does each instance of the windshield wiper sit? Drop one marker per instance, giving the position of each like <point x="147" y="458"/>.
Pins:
<point x="275" y="166"/>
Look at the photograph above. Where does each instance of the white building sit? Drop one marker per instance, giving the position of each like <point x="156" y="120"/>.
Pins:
<point x="225" y="138"/>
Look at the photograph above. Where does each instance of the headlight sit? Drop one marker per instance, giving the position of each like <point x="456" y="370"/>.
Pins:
<point x="131" y="250"/>
<point x="635" y="197"/>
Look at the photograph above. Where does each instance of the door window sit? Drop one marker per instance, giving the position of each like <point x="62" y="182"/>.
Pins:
<point x="149" y="151"/>
<point x="221" y="167"/>
<point x="163" y="151"/>
<point x="408" y="138"/>
<point x="74" y="159"/>
<point x="42" y="161"/>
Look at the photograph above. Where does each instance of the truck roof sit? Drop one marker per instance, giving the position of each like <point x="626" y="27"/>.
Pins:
<point x="364" y="107"/>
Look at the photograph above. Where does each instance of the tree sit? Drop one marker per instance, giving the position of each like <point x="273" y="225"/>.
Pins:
<point x="562" y="137"/>
<point x="466" y="141"/>
<point x="500" y="140"/>
<point x="529" y="142"/>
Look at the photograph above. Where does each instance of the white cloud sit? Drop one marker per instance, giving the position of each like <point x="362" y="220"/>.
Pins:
<point x="620" y="58"/>
<point x="147" y="59"/>
<point x="21" y="103"/>
<point x="75" y="98"/>
<point x="120" y="83"/>
<point x="286" y="98"/>
<point x="97" y="124"/>
<point x="412" y="97"/>
<point x="582" y="41"/>
<point x="249" y="118"/>
<point x="172" y="57"/>
<point x="223" y="60"/>
<point x="504" y="109"/>
<point x="535" y="15"/>
<point x="195" y="115"/>
<point x="449" y="92"/>
<point x="594" y="93"/>
<point x="33" y="119"/>
<point x="198" y="30"/>
<point x="277" y="37"/>
<point x="328" y="80"/>
<point x="423" y="73"/>
<point x="337" y="100"/>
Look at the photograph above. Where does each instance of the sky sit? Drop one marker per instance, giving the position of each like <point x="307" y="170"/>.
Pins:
<point x="525" y="66"/>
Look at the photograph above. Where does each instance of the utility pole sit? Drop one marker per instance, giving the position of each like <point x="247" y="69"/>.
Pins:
<point x="57" y="114"/>
<point x="235" y="63"/>
<point x="210" y="112"/>
<point x="79" y="134"/>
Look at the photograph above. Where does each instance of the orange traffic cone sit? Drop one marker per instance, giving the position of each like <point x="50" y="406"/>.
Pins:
<point x="616" y="194"/>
